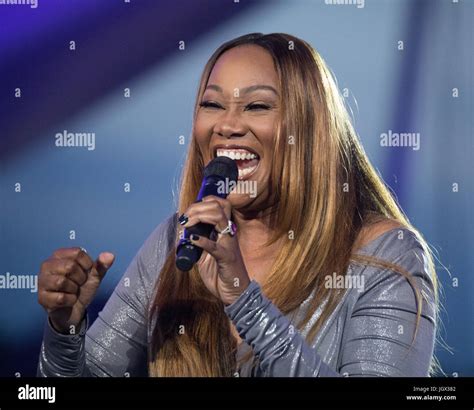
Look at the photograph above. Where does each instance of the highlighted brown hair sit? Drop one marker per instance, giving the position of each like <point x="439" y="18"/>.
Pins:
<point x="192" y="336"/>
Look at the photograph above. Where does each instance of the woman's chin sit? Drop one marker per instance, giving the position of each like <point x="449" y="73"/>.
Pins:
<point x="247" y="195"/>
<point x="239" y="201"/>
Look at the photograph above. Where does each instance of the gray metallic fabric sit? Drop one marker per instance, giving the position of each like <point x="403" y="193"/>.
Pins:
<point x="369" y="333"/>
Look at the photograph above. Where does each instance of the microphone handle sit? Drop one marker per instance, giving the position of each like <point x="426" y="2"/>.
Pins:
<point x="187" y="254"/>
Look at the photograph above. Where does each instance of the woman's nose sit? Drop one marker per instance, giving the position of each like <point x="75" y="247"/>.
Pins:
<point x="229" y="126"/>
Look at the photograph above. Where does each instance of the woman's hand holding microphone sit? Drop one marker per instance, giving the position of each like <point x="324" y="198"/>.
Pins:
<point x="221" y="265"/>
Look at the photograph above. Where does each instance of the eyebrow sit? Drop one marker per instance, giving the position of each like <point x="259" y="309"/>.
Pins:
<point x="245" y="90"/>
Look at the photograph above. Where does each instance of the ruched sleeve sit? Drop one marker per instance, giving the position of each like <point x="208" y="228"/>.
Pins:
<point x="378" y="329"/>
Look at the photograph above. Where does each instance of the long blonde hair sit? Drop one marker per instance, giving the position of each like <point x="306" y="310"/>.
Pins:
<point x="323" y="176"/>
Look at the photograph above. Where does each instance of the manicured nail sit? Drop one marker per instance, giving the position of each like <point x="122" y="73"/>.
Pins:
<point x="183" y="219"/>
<point x="195" y="237"/>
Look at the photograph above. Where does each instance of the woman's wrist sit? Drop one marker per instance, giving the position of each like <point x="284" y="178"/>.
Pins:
<point x="68" y="329"/>
<point x="243" y="297"/>
<point x="239" y="290"/>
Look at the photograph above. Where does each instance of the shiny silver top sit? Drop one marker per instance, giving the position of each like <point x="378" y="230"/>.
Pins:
<point x="368" y="334"/>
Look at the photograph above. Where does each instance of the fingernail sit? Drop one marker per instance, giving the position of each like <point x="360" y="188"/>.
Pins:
<point x="183" y="219"/>
<point x="195" y="237"/>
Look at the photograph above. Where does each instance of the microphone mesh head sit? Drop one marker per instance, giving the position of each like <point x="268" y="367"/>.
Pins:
<point x="223" y="167"/>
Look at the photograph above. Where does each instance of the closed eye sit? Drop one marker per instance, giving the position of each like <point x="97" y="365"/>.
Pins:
<point x="252" y="107"/>
<point x="209" y="104"/>
<point x="257" y="107"/>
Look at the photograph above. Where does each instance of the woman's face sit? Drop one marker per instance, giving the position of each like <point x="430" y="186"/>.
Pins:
<point x="238" y="117"/>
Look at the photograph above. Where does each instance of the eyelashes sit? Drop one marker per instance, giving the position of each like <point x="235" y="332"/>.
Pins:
<point x="251" y="107"/>
<point x="208" y="104"/>
<point x="257" y="107"/>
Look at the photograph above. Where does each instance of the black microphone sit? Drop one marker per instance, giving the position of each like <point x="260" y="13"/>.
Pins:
<point x="220" y="174"/>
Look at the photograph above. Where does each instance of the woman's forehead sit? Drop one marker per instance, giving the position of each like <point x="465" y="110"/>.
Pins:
<point x="244" y="66"/>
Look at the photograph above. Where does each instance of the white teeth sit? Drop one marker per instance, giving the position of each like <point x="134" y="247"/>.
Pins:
<point x="245" y="171"/>
<point x="239" y="154"/>
<point x="236" y="154"/>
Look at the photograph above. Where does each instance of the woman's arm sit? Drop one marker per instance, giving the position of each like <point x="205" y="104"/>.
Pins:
<point x="376" y="338"/>
<point x="116" y="343"/>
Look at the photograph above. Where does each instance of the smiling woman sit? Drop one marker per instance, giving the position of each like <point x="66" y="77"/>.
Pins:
<point x="239" y="111"/>
<point x="273" y="96"/>
<point x="258" y="301"/>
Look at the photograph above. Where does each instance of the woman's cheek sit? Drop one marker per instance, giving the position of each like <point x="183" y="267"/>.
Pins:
<point x="202" y="139"/>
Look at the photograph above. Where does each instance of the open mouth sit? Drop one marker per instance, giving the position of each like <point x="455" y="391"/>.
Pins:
<point x="247" y="160"/>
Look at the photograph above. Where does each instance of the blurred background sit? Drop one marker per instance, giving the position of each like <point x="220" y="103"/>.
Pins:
<point x="115" y="68"/>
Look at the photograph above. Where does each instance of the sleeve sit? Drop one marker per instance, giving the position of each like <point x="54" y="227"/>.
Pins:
<point x="376" y="338"/>
<point x="116" y="343"/>
<point x="282" y="350"/>
<point x="379" y="338"/>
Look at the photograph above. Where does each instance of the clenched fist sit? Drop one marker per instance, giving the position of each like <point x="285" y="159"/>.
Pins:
<point x="67" y="283"/>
